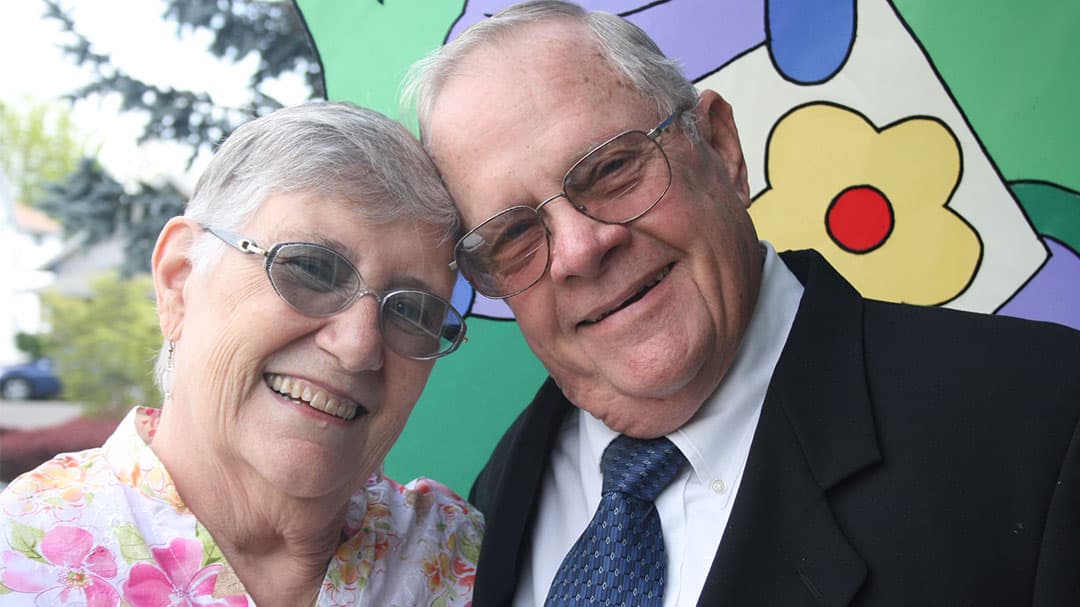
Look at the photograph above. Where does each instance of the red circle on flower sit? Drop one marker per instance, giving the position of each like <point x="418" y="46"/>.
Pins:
<point x="860" y="219"/>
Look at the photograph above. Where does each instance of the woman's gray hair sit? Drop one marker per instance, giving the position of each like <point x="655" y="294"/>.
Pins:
<point x="625" y="46"/>
<point x="335" y="150"/>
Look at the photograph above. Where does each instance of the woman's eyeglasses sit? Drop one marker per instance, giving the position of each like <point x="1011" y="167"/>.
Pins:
<point x="318" y="281"/>
<point x="617" y="182"/>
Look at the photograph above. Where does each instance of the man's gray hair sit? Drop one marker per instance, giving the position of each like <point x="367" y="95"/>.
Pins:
<point x="335" y="150"/>
<point x="625" y="46"/>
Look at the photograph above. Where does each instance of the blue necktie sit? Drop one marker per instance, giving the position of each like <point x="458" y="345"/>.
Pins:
<point x="619" y="559"/>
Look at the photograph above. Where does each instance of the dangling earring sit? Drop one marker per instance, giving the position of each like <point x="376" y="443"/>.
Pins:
<point x="167" y="380"/>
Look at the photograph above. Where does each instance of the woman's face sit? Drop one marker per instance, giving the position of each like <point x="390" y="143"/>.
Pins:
<point x="240" y="346"/>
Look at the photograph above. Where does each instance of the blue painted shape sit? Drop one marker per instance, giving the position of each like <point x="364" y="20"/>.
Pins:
<point x="809" y="40"/>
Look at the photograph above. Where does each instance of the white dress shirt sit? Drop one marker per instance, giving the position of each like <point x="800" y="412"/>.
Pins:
<point x="695" y="507"/>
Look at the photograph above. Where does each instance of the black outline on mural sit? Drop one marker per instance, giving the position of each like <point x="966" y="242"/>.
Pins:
<point x="1058" y="186"/>
<point x="465" y="7"/>
<point x="948" y="199"/>
<point x="963" y="115"/>
<point x="1042" y="235"/>
<point x="768" y="37"/>
<point x="1049" y="256"/>
<point x="314" y="47"/>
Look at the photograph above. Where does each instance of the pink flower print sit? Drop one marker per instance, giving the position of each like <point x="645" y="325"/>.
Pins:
<point x="180" y="580"/>
<point x="72" y="570"/>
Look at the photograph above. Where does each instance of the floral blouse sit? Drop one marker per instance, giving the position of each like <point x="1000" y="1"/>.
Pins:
<point x="105" y="527"/>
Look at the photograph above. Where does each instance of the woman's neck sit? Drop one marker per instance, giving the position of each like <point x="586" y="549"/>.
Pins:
<point x="279" y="546"/>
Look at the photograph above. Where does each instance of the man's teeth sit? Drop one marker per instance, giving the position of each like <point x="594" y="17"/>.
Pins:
<point x="311" y="396"/>
<point x="636" y="296"/>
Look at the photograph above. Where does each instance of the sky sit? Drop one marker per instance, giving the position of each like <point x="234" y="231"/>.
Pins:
<point x="142" y="43"/>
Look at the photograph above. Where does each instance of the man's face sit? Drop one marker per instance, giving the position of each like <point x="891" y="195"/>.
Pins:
<point x="637" y="322"/>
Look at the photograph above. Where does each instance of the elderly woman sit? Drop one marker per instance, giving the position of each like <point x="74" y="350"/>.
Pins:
<point x="302" y="297"/>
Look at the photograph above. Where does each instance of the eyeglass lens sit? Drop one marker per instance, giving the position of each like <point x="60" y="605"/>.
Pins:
<point x="318" y="281"/>
<point x="615" y="183"/>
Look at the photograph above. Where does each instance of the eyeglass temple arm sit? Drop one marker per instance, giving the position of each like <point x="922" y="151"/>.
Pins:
<point x="238" y="242"/>
<point x="660" y="128"/>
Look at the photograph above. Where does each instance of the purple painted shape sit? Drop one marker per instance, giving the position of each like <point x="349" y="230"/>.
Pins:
<point x="1053" y="293"/>
<point x="703" y="35"/>
<point x="491" y="308"/>
<point x="470" y="303"/>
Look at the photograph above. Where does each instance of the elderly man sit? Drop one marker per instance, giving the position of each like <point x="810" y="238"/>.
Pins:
<point x="723" y="425"/>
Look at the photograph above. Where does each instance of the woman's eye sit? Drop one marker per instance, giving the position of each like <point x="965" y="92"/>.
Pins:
<point x="313" y="272"/>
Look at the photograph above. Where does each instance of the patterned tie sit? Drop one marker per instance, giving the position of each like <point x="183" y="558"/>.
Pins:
<point x="619" y="559"/>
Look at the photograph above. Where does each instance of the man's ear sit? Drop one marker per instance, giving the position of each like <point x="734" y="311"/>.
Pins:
<point x="716" y="124"/>
<point x="171" y="267"/>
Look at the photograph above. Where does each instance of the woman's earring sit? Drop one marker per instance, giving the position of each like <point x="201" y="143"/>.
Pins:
<point x="167" y="381"/>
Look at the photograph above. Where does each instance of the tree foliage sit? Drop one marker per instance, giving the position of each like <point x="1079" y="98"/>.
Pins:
<point x="270" y="30"/>
<point x="93" y="206"/>
<point x="37" y="146"/>
<point x="103" y="348"/>
<point x="92" y="202"/>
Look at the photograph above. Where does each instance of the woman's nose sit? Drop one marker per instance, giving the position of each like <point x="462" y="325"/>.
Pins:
<point x="353" y="336"/>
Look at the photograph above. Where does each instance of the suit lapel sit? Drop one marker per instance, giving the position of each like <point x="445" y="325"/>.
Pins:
<point x="524" y="452"/>
<point x="782" y="545"/>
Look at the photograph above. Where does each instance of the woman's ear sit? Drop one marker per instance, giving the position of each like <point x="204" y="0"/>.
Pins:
<point x="171" y="267"/>
<point x="716" y="122"/>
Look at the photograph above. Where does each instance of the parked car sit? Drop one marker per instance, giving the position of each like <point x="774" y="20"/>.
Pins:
<point x="29" y="380"/>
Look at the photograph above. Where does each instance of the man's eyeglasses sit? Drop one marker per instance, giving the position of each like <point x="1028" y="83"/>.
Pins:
<point x="317" y="281"/>
<point x="617" y="182"/>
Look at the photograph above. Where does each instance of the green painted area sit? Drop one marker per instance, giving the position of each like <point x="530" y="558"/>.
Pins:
<point x="473" y="395"/>
<point x="366" y="46"/>
<point x="1054" y="211"/>
<point x="1013" y="68"/>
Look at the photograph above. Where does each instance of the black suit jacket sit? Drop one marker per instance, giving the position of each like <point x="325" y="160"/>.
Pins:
<point x="904" y="456"/>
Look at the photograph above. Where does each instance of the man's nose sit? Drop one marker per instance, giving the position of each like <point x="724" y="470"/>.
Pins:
<point x="353" y="337"/>
<point x="580" y="245"/>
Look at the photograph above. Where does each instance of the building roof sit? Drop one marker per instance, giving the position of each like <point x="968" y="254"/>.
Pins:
<point x="33" y="221"/>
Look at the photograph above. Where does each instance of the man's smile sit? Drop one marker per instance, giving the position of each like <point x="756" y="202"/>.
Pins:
<point x="637" y="295"/>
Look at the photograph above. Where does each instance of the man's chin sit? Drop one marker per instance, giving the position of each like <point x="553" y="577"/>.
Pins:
<point x="638" y="406"/>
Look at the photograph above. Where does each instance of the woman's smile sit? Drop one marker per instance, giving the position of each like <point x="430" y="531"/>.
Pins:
<point x="305" y="393"/>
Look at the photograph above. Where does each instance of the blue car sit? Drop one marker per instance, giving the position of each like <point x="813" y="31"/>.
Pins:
<point x="29" y="380"/>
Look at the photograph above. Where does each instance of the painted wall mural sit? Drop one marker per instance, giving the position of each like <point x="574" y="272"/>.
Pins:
<point x="930" y="151"/>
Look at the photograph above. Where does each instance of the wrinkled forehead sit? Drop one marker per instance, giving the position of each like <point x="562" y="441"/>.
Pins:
<point x="517" y="113"/>
<point x="542" y="72"/>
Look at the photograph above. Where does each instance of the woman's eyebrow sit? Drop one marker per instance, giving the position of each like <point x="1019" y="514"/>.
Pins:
<point x="340" y="247"/>
<point x="398" y="281"/>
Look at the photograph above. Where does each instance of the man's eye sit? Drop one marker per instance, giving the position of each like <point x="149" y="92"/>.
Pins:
<point x="514" y="233"/>
<point x="611" y="167"/>
<point x="520" y="239"/>
<point x="610" y="173"/>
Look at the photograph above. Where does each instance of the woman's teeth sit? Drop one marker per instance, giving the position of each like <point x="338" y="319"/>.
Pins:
<point x="311" y="396"/>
